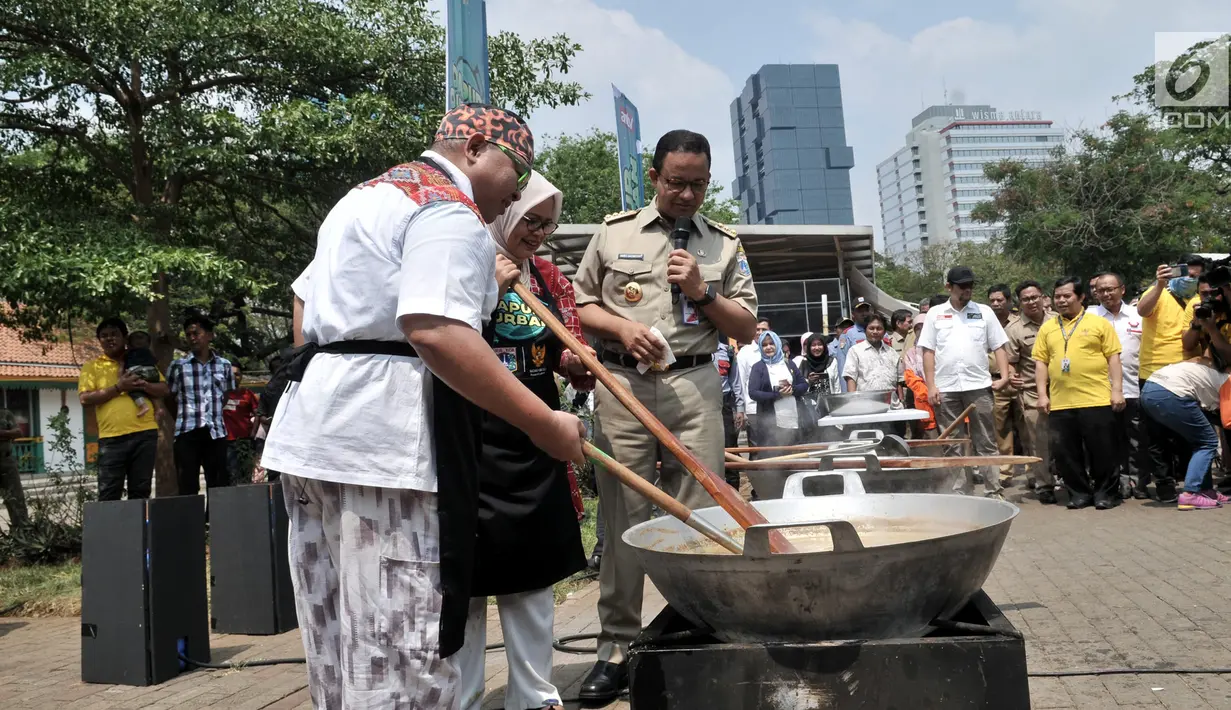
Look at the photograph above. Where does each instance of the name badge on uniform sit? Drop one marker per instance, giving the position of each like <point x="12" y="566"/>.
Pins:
<point x="974" y="316"/>
<point x="631" y="257"/>
<point x="689" y="311"/>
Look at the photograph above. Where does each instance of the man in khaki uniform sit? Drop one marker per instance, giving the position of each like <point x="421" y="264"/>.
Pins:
<point x="1004" y="402"/>
<point x="624" y="288"/>
<point x="1032" y="424"/>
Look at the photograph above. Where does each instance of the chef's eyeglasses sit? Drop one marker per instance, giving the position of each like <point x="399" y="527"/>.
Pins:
<point x="523" y="170"/>
<point x="534" y="224"/>
<point x="1030" y="299"/>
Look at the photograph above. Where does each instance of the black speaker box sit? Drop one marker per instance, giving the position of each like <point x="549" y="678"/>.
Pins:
<point x="142" y="589"/>
<point x="250" y="575"/>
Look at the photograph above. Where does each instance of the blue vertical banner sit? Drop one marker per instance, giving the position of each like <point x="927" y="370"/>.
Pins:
<point x="466" y="77"/>
<point x="628" y="147"/>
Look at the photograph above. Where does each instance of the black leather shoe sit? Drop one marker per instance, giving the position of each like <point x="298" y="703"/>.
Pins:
<point x="1102" y="502"/>
<point x="1166" y="494"/>
<point x="1140" y="494"/>
<point x="1077" y="502"/>
<point x="594" y="562"/>
<point x="1047" y="497"/>
<point x="605" y="683"/>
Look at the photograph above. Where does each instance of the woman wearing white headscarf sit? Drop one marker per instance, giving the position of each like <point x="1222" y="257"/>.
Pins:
<point x="529" y="538"/>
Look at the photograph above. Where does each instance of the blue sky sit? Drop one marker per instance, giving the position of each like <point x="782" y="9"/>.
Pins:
<point x="683" y="62"/>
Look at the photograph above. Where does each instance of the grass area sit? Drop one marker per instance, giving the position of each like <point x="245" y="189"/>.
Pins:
<point x="55" y="590"/>
<point x="41" y="590"/>
<point x="588" y="540"/>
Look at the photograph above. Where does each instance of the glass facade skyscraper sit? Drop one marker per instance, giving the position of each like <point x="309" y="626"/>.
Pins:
<point x="791" y="158"/>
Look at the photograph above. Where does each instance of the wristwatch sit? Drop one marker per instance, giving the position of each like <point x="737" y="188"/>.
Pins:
<point x="710" y="296"/>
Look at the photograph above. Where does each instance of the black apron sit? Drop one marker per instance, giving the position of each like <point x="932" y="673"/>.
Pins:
<point x="456" y="435"/>
<point x="529" y="538"/>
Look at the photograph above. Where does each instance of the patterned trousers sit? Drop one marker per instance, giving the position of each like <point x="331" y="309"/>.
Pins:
<point x="365" y="563"/>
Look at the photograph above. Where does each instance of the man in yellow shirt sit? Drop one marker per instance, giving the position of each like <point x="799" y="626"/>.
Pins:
<point x="126" y="440"/>
<point x="1079" y="386"/>
<point x="1162" y="329"/>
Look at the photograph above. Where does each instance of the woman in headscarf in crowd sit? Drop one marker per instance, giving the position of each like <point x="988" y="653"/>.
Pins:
<point x="778" y="387"/>
<point x="528" y="536"/>
<point x="820" y="370"/>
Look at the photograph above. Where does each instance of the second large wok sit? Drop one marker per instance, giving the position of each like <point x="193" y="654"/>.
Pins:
<point x="858" y="592"/>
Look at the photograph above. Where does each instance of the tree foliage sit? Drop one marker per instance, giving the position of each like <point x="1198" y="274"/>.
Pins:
<point x="922" y="273"/>
<point x="1120" y="201"/>
<point x="1198" y="135"/>
<point x="179" y="155"/>
<point x="1140" y="191"/>
<point x="586" y="169"/>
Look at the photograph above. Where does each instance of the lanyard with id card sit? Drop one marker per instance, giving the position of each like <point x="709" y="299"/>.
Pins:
<point x="1064" y="364"/>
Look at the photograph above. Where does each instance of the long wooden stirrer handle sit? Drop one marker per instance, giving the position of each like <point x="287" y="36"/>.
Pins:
<point x="724" y="495"/>
<point x="960" y="418"/>
<point x="656" y="496"/>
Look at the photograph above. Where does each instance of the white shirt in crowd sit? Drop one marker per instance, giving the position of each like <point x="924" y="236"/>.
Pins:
<point x="961" y="340"/>
<point x="366" y="419"/>
<point x="747" y="356"/>
<point x="786" y="413"/>
<point x="1128" y="329"/>
<point x="1193" y="381"/>
<point x="872" y="368"/>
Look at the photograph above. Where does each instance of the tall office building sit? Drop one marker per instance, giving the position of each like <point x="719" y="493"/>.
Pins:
<point x="791" y="158"/>
<point x="929" y="187"/>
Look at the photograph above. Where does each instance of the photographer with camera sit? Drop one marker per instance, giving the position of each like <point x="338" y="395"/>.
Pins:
<point x="1207" y="319"/>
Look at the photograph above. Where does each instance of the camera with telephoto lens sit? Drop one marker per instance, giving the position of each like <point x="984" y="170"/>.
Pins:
<point x="1217" y="278"/>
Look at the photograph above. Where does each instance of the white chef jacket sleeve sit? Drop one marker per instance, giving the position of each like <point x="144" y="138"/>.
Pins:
<point x="448" y="265"/>
<point x="300" y="287"/>
<point x="996" y="337"/>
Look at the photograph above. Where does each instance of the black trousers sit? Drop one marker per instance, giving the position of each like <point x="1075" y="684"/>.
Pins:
<point x="730" y="435"/>
<point x="195" y="450"/>
<point x="1129" y="447"/>
<point x="126" y="458"/>
<point x="1076" y="433"/>
<point x="1163" y="448"/>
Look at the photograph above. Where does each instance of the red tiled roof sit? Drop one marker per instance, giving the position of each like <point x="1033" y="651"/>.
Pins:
<point x="61" y="360"/>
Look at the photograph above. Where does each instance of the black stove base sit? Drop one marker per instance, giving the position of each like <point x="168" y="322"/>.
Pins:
<point x="673" y="665"/>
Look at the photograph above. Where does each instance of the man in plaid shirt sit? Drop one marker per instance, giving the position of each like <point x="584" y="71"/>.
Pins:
<point x="199" y="384"/>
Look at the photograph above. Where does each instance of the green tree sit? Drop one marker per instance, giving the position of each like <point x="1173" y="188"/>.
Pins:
<point x="1121" y="201"/>
<point x="158" y="156"/>
<point x="922" y="273"/>
<point x="586" y="169"/>
<point x="1197" y="135"/>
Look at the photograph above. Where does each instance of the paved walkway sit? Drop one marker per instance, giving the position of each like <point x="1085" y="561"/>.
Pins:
<point x="1141" y="586"/>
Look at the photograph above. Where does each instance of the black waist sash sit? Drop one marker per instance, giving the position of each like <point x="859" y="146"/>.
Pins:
<point x="457" y="436"/>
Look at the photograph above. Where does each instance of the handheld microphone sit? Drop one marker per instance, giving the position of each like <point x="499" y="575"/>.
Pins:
<point x="679" y="240"/>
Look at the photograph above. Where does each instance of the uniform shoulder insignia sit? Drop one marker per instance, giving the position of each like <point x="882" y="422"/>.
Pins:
<point x="719" y="226"/>
<point x="619" y="216"/>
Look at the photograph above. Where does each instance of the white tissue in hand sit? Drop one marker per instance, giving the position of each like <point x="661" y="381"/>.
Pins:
<point x="667" y="360"/>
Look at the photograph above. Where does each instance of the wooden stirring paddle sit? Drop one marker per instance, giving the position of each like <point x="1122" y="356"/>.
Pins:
<point x="716" y="486"/>
<point x="656" y="496"/>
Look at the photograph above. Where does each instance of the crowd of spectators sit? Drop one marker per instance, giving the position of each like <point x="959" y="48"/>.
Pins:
<point x="1118" y="394"/>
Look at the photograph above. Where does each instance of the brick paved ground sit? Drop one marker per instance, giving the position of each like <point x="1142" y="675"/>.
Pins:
<point x="1141" y="586"/>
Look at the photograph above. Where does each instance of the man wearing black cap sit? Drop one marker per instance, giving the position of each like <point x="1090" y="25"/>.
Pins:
<point x="854" y="335"/>
<point x="957" y="336"/>
<point x="378" y="430"/>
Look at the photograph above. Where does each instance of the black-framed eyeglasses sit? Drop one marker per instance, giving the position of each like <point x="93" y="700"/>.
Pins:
<point x="675" y="186"/>
<point x="523" y="170"/>
<point x="535" y="224"/>
<point x="1030" y="299"/>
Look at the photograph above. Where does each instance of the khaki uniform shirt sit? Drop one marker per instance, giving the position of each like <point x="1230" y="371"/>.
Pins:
<point x="1022" y="333"/>
<point x="991" y="357"/>
<point x="625" y="271"/>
